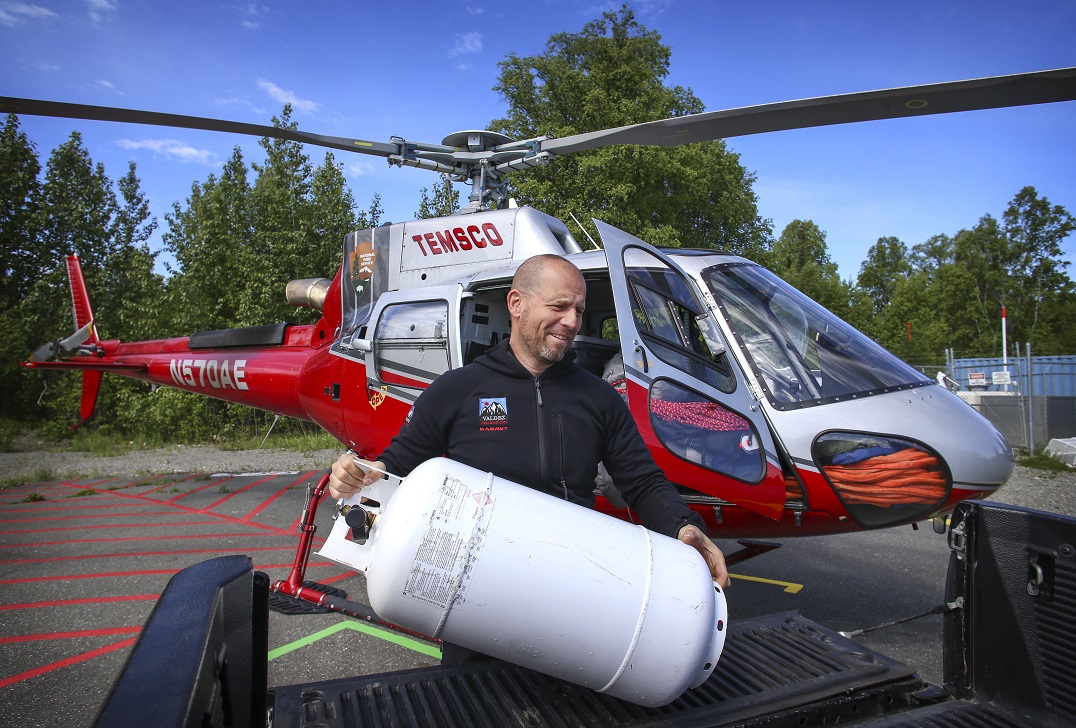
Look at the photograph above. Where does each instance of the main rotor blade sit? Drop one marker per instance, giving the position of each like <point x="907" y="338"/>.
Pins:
<point x="132" y="116"/>
<point x="1038" y="87"/>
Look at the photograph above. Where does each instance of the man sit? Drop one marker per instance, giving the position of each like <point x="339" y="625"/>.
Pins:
<point x="528" y="413"/>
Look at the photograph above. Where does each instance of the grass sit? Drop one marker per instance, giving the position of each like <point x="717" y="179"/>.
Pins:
<point x="1043" y="460"/>
<point x="42" y="474"/>
<point x="9" y="430"/>
<point x="304" y="442"/>
<point x="83" y="492"/>
<point x="32" y="498"/>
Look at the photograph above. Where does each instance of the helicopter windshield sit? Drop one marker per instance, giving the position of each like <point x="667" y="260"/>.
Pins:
<point x="801" y="353"/>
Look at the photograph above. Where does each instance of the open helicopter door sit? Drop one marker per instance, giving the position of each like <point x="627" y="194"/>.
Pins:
<point x="686" y="393"/>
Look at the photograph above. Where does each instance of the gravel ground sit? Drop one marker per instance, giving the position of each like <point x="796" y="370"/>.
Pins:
<point x="1028" y="487"/>
<point x="47" y="465"/>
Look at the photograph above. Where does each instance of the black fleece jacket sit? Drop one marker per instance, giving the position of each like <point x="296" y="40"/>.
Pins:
<point x="548" y="433"/>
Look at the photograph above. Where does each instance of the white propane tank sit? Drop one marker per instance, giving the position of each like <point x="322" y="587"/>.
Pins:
<point x="522" y="576"/>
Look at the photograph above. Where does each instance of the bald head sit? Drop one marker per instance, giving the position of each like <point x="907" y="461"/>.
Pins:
<point x="528" y="277"/>
<point x="546" y="306"/>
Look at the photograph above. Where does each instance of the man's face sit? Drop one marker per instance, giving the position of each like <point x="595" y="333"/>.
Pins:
<point x="550" y="317"/>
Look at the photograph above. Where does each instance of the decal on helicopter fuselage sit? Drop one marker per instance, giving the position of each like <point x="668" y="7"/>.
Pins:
<point x="213" y="373"/>
<point x="458" y="239"/>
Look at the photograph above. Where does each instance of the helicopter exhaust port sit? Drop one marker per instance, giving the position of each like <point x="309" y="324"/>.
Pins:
<point x="308" y="292"/>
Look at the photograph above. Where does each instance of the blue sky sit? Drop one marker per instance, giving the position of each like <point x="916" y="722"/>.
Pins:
<point x="422" y="70"/>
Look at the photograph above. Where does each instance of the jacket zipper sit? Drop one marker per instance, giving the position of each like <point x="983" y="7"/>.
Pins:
<point x="560" y="436"/>
<point x="541" y="433"/>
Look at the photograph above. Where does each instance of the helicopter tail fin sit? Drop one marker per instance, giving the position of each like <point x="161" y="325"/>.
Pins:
<point x="85" y="331"/>
<point x="80" y="299"/>
<point x="91" y="385"/>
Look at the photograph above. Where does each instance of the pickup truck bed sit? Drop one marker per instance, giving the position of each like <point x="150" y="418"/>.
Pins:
<point x="771" y="666"/>
<point x="1009" y="655"/>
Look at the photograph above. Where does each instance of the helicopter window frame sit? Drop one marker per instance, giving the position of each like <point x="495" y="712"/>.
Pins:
<point x="684" y="316"/>
<point x="397" y="342"/>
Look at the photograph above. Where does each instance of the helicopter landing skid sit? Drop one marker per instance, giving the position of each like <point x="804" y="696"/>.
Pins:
<point x="750" y="550"/>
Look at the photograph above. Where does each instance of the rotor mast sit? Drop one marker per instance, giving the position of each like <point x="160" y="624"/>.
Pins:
<point x="481" y="158"/>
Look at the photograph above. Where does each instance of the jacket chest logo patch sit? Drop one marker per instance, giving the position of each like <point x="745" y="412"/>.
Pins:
<point x="492" y="414"/>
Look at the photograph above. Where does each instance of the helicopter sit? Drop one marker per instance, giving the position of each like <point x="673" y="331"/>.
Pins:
<point x="771" y="415"/>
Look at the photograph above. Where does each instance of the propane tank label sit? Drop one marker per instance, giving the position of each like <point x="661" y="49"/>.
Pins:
<point x="450" y="544"/>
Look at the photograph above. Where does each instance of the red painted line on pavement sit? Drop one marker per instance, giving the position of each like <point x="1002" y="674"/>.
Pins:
<point x="81" y="516"/>
<point x="85" y="600"/>
<point x="198" y="511"/>
<point x="210" y="484"/>
<point x="100" y="575"/>
<point x="214" y="504"/>
<point x="67" y="662"/>
<point x="121" y="525"/>
<point x="272" y="499"/>
<point x="139" y="554"/>
<point x="120" y="539"/>
<point x="142" y="572"/>
<point x="63" y="507"/>
<point x="338" y="577"/>
<point x="69" y="635"/>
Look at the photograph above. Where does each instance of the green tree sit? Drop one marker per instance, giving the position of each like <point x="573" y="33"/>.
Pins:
<point x="208" y="237"/>
<point x="76" y="210"/>
<point x="283" y="244"/>
<point x="887" y="263"/>
<point x="74" y="215"/>
<point x="932" y="255"/>
<point x="333" y="213"/>
<point x="1035" y="230"/>
<point x="801" y="258"/>
<point x="611" y="74"/>
<point x="19" y="195"/>
<point x="442" y="201"/>
<point x="131" y="299"/>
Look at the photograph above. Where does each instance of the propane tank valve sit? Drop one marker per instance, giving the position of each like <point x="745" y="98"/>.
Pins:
<point x="359" y="521"/>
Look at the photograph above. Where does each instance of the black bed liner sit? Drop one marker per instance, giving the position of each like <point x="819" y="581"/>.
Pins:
<point x="770" y="665"/>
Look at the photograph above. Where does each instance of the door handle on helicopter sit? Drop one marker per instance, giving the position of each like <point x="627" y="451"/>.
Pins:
<point x="641" y="357"/>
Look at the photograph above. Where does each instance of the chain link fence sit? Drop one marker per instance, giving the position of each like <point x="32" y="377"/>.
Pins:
<point x="1031" y="400"/>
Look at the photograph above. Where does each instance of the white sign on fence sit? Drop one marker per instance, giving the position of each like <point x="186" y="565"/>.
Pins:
<point x="1001" y="377"/>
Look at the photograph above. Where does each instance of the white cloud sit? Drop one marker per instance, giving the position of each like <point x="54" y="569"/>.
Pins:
<point x="359" y="169"/>
<point x="173" y="149"/>
<point x="14" y="13"/>
<point x="47" y="67"/>
<point x="101" y="83"/>
<point x="98" y="8"/>
<point x="466" y="43"/>
<point x="241" y="103"/>
<point x="284" y="96"/>
<point x="250" y="25"/>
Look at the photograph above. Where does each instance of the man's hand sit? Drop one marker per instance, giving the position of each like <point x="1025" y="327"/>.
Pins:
<point x="348" y="478"/>
<point x="693" y="536"/>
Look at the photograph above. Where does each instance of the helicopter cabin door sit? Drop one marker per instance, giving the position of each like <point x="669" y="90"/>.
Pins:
<point x="411" y="339"/>
<point x="686" y="393"/>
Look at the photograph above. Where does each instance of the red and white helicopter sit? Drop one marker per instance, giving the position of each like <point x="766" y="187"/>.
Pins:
<point x="773" y="416"/>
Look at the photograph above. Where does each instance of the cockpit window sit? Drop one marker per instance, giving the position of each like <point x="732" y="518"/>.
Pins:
<point x="675" y="327"/>
<point x="801" y="353"/>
